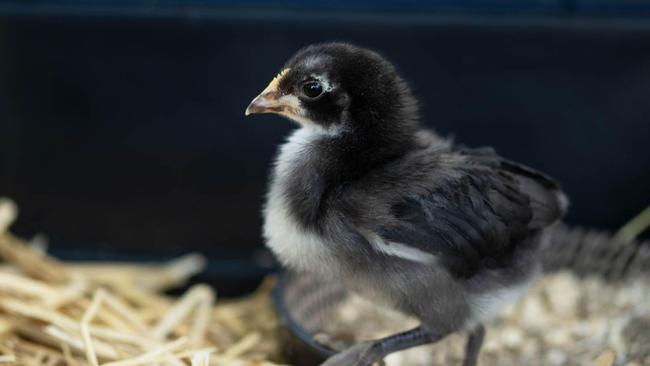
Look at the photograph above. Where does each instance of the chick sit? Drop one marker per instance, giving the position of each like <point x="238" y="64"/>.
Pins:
<point x="362" y="195"/>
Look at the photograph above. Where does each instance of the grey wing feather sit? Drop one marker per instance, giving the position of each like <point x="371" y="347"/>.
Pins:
<point x="478" y="220"/>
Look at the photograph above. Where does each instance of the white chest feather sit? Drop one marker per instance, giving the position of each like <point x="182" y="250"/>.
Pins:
<point x="294" y="246"/>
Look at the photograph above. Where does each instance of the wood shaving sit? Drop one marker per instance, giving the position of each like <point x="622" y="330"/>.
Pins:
<point x="563" y="320"/>
<point x="111" y="314"/>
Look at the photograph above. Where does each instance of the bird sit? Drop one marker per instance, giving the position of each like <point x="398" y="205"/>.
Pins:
<point x="360" y="193"/>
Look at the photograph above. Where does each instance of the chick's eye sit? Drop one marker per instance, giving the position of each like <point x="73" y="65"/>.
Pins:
<point x="312" y="89"/>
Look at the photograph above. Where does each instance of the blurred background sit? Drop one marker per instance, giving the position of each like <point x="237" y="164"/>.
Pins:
<point x="122" y="129"/>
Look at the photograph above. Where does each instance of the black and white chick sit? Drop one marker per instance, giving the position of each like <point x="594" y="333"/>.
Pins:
<point x="362" y="195"/>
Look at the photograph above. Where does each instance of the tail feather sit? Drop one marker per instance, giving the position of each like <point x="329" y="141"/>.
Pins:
<point x="591" y="252"/>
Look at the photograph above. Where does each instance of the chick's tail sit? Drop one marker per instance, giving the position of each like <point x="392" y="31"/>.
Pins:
<point x="588" y="252"/>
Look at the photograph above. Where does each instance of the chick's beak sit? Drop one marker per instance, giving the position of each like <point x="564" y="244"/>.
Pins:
<point x="270" y="99"/>
<point x="266" y="102"/>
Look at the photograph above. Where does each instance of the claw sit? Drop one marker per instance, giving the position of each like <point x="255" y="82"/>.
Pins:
<point x="362" y="354"/>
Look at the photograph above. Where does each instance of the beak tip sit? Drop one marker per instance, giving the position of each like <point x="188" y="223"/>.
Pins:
<point x="256" y="106"/>
<point x="263" y="103"/>
<point x="250" y="109"/>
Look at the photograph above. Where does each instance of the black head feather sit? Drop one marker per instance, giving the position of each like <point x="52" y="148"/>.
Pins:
<point x="361" y="90"/>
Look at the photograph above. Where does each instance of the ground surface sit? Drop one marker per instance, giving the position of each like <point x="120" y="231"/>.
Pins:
<point x="563" y="320"/>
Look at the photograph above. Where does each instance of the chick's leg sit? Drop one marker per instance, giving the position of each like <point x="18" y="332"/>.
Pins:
<point x="366" y="353"/>
<point x="473" y="347"/>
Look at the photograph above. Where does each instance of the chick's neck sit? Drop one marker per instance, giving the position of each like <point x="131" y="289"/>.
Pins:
<point x="336" y="160"/>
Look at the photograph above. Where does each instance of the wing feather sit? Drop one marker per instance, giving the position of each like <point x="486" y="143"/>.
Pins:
<point x="476" y="220"/>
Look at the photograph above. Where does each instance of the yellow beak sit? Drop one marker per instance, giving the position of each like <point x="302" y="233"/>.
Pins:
<point x="270" y="99"/>
<point x="266" y="102"/>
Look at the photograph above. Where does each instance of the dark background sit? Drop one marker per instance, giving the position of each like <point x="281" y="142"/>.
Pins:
<point x="122" y="132"/>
